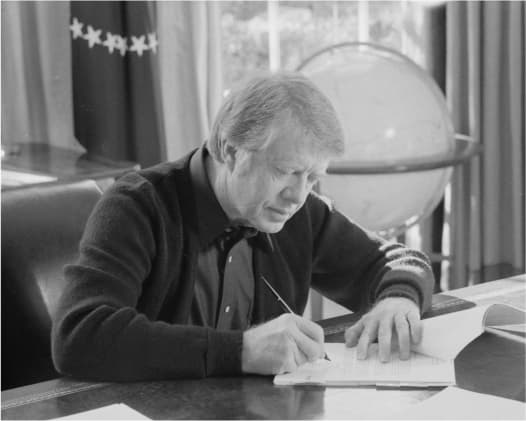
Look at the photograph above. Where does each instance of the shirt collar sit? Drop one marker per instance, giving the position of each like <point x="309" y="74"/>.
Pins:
<point x="212" y="219"/>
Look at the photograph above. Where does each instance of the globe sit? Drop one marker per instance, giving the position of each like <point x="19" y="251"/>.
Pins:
<point x="393" y="115"/>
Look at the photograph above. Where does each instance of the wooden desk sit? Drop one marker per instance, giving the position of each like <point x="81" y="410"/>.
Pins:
<point x="50" y="164"/>
<point x="489" y="365"/>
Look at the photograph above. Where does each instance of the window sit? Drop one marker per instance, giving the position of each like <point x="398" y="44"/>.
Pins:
<point x="262" y="35"/>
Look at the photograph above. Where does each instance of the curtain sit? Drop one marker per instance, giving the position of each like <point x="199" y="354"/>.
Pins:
<point x="434" y="48"/>
<point x="191" y="77"/>
<point x="116" y="92"/>
<point x="486" y="89"/>
<point x="37" y="97"/>
<point x="36" y="75"/>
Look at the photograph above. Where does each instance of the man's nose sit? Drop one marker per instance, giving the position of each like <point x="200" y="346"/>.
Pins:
<point x="298" y="190"/>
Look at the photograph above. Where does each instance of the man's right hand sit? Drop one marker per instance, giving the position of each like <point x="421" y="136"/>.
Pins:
<point x="281" y="345"/>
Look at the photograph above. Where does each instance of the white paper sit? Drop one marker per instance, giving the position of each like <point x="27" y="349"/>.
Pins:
<point x="346" y="369"/>
<point x="118" y="411"/>
<point x="504" y="314"/>
<point x="445" y="336"/>
<point x="456" y="403"/>
<point x="18" y="178"/>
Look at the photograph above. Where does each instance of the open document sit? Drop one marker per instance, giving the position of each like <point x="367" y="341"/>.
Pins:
<point x="431" y="362"/>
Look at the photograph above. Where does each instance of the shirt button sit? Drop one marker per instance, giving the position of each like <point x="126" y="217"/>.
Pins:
<point x="229" y="259"/>
<point x="227" y="309"/>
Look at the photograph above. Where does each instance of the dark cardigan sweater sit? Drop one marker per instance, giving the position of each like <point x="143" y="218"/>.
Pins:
<point x="124" y="313"/>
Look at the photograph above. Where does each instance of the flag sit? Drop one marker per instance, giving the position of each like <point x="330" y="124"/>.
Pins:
<point x="117" y="111"/>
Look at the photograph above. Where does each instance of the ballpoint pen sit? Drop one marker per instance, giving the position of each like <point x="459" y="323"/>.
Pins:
<point x="283" y="303"/>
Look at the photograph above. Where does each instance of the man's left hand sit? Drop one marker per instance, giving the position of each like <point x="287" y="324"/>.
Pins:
<point x="397" y="315"/>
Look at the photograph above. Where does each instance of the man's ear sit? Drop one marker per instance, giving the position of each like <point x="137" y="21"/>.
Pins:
<point x="229" y="154"/>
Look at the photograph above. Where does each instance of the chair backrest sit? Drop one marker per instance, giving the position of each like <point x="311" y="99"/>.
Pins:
<point x="41" y="230"/>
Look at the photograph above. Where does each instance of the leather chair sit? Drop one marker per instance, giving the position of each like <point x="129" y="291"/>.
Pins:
<point x="41" y="229"/>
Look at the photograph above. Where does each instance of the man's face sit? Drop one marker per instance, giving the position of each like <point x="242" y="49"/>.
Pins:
<point x="265" y="188"/>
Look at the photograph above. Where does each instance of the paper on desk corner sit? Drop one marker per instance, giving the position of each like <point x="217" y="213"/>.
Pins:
<point x="456" y="403"/>
<point x="118" y="411"/>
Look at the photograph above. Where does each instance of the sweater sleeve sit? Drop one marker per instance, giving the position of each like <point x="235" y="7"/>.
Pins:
<point x="98" y="332"/>
<point x="356" y="268"/>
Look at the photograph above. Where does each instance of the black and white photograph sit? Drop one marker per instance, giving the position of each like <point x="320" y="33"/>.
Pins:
<point x="263" y="210"/>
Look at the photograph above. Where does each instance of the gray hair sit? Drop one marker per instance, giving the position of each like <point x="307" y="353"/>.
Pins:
<point x="248" y="113"/>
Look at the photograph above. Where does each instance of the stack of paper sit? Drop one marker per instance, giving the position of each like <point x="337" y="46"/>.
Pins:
<point x="345" y="369"/>
<point x="431" y="362"/>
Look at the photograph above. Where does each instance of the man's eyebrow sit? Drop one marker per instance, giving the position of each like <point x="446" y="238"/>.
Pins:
<point x="297" y="167"/>
<point x="286" y="164"/>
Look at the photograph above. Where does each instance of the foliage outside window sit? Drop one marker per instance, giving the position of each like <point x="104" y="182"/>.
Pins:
<point x="304" y="27"/>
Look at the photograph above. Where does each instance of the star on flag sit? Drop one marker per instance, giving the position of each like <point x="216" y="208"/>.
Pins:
<point x="122" y="44"/>
<point x="114" y="41"/>
<point x="76" y="28"/>
<point x="138" y="45"/>
<point x="93" y="36"/>
<point x="152" y="42"/>
<point x="111" y="42"/>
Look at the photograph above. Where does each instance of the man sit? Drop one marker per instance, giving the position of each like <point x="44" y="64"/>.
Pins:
<point x="170" y="281"/>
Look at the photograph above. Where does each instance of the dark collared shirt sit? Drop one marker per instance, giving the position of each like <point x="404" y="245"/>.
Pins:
<point x="224" y="283"/>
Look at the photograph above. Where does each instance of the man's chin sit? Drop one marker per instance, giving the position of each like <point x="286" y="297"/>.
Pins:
<point x="271" y="227"/>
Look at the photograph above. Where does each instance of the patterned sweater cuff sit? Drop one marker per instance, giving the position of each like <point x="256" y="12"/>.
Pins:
<point x="401" y="290"/>
<point x="224" y="352"/>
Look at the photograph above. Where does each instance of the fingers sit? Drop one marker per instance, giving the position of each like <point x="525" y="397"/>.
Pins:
<point x="299" y="357"/>
<point x="394" y="321"/>
<point x="277" y="346"/>
<point x="353" y="334"/>
<point x="311" y="329"/>
<point x="415" y="326"/>
<point x="307" y="346"/>
<point x="385" y="331"/>
<point x="402" y="331"/>
<point x="368" y="335"/>
<point x="291" y="360"/>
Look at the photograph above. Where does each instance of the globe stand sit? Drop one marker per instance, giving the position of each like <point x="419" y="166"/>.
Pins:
<point x="464" y="150"/>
